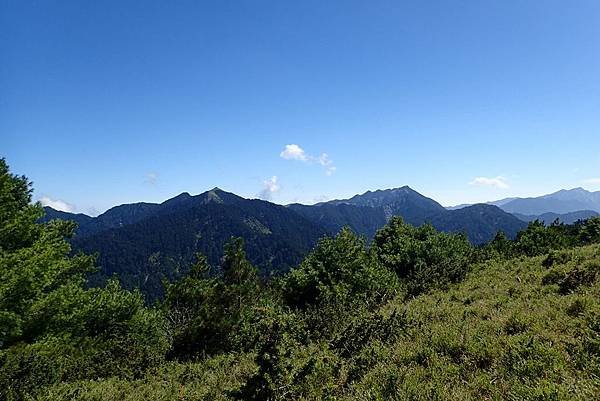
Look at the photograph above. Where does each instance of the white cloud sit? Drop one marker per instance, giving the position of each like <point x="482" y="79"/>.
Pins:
<point x="270" y="186"/>
<point x="496" y="182"/>
<point x="295" y="152"/>
<point x="57" y="204"/>
<point x="151" y="178"/>
<point x="592" y="181"/>
<point x="326" y="162"/>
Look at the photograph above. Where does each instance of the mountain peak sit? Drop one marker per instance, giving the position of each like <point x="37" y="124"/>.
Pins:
<point x="577" y="190"/>
<point x="179" y="199"/>
<point x="404" y="188"/>
<point x="183" y="195"/>
<point x="217" y="195"/>
<point x="402" y="201"/>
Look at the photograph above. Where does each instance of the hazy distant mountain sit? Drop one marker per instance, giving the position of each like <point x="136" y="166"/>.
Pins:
<point x="567" y="218"/>
<point x="563" y="201"/>
<point x="502" y="202"/>
<point x="498" y="203"/>
<point x="560" y="202"/>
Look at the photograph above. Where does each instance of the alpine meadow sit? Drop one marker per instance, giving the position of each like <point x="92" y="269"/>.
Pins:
<point x="277" y="201"/>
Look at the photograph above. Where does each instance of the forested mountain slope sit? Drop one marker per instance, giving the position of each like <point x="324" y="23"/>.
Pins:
<point x="144" y="243"/>
<point x="164" y="243"/>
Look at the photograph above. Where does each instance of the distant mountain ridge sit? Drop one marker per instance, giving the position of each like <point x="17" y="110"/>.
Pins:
<point x="566" y="218"/>
<point x="563" y="202"/>
<point x="480" y="222"/>
<point x="145" y="243"/>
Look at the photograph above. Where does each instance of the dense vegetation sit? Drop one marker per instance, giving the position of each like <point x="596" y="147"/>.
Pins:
<point x="144" y="243"/>
<point x="416" y="314"/>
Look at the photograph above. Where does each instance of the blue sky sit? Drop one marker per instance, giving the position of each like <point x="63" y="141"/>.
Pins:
<point x="103" y="103"/>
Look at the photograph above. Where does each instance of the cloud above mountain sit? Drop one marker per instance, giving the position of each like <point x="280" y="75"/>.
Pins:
<point x="295" y="152"/>
<point x="327" y="163"/>
<point x="270" y="187"/>
<point x="57" y="204"/>
<point x="495" y="182"/>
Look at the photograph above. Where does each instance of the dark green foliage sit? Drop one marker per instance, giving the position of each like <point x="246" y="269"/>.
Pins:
<point x="363" y="329"/>
<point x="52" y="327"/>
<point x="16" y="214"/>
<point x="585" y="274"/>
<point x="338" y="270"/>
<point x="556" y="258"/>
<point x="421" y="255"/>
<point x="589" y="232"/>
<point x="499" y="247"/>
<point x="570" y="280"/>
<point x="537" y="239"/>
<point x="210" y="314"/>
<point x="190" y="308"/>
<point x="515" y="325"/>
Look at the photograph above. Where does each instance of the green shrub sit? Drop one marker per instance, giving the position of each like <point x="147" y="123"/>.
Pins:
<point x="537" y="239"/>
<point x="54" y="327"/>
<point x="339" y="270"/>
<point x="556" y="258"/>
<point x="585" y="274"/>
<point x="589" y="232"/>
<point x="210" y="314"/>
<point x="422" y="256"/>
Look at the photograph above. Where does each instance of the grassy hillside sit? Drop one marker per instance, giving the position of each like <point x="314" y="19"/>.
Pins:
<point x="526" y="328"/>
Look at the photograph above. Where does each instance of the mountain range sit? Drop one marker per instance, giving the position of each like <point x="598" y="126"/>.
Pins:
<point x="145" y="243"/>
<point x="563" y="202"/>
<point x="566" y="218"/>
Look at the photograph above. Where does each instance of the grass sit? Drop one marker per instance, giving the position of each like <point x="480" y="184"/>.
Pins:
<point x="522" y="329"/>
